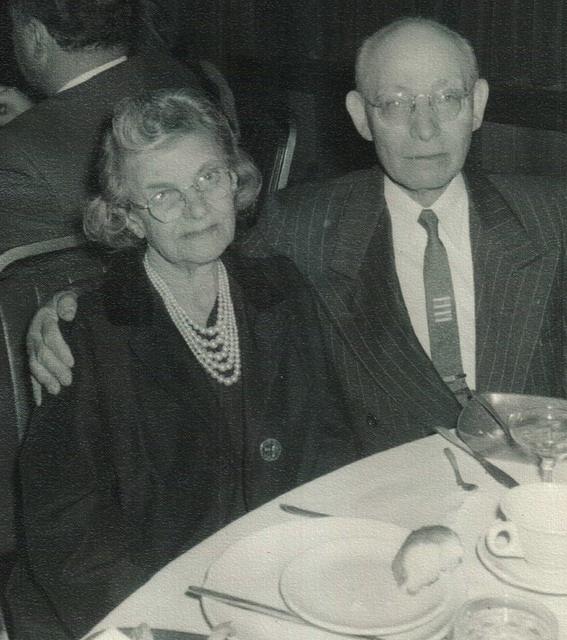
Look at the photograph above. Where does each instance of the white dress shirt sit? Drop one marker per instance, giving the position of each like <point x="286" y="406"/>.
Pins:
<point x="410" y="239"/>
<point x="87" y="75"/>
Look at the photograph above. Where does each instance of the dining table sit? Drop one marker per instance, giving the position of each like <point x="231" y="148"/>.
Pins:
<point x="411" y="486"/>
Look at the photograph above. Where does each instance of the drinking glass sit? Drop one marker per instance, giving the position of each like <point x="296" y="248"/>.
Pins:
<point x="504" y="618"/>
<point x="542" y="431"/>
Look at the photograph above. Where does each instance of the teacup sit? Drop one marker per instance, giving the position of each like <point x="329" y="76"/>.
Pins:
<point x="535" y="528"/>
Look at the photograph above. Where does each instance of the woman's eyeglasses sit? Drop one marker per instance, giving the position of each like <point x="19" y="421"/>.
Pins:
<point x="169" y="204"/>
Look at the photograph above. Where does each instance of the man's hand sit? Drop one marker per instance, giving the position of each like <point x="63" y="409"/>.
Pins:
<point x="50" y="359"/>
<point x="12" y="103"/>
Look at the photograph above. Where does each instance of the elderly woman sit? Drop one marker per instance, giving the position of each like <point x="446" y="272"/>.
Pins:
<point x="201" y="387"/>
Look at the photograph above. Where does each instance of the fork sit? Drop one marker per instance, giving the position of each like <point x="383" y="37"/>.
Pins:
<point x="466" y="486"/>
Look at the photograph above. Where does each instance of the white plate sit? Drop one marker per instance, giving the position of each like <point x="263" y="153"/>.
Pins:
<point x="517" y="572"/>
<point x="410" y="503"/>
<point x="251" y="568"/>
<point x="347" y="586"/>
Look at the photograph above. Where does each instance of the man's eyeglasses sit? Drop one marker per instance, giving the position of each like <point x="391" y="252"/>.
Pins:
<point x="397" y="108"/>
<point x="169" y="204"/>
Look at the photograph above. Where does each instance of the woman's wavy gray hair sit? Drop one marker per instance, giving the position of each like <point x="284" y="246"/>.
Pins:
<point x="149" y="121"/>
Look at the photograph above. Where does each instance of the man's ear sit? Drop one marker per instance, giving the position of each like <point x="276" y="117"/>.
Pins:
<point x="356" y="107"/>
<point x="480" y="98"/>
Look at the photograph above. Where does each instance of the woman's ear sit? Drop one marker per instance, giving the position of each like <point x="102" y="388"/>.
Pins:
<point x="40" y="41"/>
<point x="135" y="224"/>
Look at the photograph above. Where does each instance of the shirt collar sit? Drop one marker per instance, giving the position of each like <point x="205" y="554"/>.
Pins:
<point x="87" y="75"/>
<point x="451" y="207"/>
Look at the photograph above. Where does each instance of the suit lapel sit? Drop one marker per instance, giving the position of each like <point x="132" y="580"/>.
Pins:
<point x="261" y="338"/>
<point x="263" y="329"/>
<point x="268" y="333"/>
<point x="363" y="298"/>
<point x="513" y="278"/>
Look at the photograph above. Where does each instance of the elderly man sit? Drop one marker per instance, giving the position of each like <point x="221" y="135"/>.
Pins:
<point x="79" y="54"/>
<point x="432" y="281"/>
<point x="429" y="277"/>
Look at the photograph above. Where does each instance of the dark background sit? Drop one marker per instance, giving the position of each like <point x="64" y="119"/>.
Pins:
<point x="519" y="43"/>
<point x="301" y="53"/>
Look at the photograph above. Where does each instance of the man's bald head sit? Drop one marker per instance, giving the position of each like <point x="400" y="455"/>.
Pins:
<point x="368" y="57"/>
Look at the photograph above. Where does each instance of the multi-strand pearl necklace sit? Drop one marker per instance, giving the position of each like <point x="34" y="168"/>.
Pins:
<point x="215" y="347"/>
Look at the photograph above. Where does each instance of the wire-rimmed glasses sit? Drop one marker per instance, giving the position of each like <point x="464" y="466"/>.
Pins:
<point x="169" y="204"/>
<point x="396" y="109"/>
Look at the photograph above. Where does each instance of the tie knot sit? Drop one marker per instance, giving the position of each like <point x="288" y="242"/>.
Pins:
<point x="429" y="221"/>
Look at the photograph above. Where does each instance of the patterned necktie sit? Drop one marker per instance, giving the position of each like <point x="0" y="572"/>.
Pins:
<point x="441" y="310"/>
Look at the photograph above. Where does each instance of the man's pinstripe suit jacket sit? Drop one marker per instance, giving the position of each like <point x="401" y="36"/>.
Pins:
<point x="338" y="232"/>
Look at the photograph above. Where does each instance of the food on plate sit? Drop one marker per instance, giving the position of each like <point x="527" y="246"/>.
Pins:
<point x="425" y="555"/>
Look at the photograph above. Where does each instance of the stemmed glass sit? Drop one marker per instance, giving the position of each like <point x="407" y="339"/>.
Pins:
<point x="542" y="431"/>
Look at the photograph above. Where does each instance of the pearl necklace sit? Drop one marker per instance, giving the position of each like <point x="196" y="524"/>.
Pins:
<point x="215" y="347"/>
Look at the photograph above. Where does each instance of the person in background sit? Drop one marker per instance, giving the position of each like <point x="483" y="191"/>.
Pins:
<point x="433" y="280"/>
<point x="202" y="387"/>
<point x="79" y="54"/>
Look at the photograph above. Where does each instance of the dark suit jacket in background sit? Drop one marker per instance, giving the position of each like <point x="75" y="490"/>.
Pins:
<point x="47" y="154"/>
<point x="119" y="472"/>
<point x="339" y="235"/>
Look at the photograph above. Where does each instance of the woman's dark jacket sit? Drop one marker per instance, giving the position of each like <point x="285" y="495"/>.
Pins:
<point x="120" y="473"/>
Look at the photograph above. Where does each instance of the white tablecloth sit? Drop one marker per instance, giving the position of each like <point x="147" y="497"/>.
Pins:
<point x="410" y="485"/>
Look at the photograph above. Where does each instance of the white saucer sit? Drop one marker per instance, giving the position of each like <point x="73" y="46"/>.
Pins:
<point x="517" y="572"/>
<point x="347" y="586"/>
<point x="253" y="565"/>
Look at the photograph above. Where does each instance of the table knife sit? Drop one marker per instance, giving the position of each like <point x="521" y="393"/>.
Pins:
<point x="498" y="474"/>
<point x="244" y="603"/>
<point x="257" y="607"/>
<point x="300" y="511"/>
